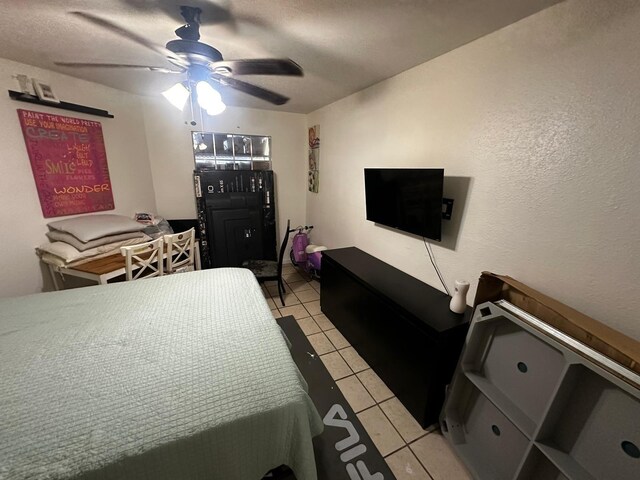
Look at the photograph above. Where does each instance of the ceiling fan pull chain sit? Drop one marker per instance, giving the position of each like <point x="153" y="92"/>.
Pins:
<point x="191" y="100"/>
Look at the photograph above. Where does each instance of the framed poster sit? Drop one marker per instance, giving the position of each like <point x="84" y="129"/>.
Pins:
<point x="314" y="158"/>
<point x="69" y="163"/>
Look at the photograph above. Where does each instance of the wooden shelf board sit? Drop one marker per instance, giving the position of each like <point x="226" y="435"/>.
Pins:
<point x="74" y="107"/>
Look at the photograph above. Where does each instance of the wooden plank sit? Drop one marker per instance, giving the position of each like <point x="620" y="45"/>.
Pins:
<point x="102" y="265"/>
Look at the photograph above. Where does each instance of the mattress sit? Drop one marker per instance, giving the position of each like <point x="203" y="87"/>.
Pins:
<point x="181" y="377"/>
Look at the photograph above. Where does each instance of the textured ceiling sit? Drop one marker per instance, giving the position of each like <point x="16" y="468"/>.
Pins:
<point x="343" y="45"/>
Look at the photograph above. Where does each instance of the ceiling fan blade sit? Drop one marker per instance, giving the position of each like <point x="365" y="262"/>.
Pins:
<point x="139" y="39"/>
<point x="263" y="66"/>
<point x="249" y="89"/>
<point x="117" y="65"/>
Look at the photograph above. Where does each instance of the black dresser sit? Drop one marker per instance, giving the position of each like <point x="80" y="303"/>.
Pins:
<point x="401" y="327"/>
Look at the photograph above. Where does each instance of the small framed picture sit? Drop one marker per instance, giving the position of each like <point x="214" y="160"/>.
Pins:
<point x="44" y="92"/>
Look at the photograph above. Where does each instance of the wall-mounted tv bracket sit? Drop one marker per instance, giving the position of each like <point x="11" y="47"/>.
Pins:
<point x="447" y="208"/>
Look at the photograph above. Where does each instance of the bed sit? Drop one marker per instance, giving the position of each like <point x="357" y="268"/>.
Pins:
<point x="181" y="377"/>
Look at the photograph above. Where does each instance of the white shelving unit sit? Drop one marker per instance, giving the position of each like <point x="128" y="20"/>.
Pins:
<point x="528" y="402"/>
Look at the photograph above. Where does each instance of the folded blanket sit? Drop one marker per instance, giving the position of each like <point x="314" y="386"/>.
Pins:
<point x="90" y="227"/>
<point x="60" y="236"/>
<point x="63" y="254"/>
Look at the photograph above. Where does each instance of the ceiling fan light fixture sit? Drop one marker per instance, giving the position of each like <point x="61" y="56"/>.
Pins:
<point x="207" y="95"/>
<point x="201" y="62"/>
<point x="217" y="109"/>
<point x="209" y="98"/>
<point x="177" y="95"/>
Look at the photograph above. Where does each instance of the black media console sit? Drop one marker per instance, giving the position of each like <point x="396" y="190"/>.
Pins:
<point x="401" y="327"/>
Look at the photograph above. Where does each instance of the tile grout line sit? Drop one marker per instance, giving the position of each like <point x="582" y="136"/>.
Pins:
<point x="418" y="458"/>
<point x="368" y="408"/>
<point x="396" y="451"/>
<point x="365" y="387"/>
<point x="406" y="445"/>
<point x="341" y="378"/>
<point x="392" y="424"/>
<point x="350" y="369"/>
<point x="334" y="345"/>
<point x="431" y="477"/>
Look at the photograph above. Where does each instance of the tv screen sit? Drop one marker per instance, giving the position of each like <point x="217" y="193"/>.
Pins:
<point x="409" y="199"/>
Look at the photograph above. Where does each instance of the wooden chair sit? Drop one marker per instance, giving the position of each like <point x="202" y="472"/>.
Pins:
<point x="144" y="260"/>
<point x="266" y="270"/>
<point x="180" y="251"/>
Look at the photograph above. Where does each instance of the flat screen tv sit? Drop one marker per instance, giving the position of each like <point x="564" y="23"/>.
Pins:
<point x="408" y="199"/>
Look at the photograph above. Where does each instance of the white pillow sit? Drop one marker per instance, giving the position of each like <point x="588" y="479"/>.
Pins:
<point x="90" y="227"/>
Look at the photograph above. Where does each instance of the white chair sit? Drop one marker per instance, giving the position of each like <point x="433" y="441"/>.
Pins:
<point x="180" y="251"/>
<point x="144" y="260"/>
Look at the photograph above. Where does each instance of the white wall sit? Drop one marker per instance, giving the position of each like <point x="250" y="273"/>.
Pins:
<point x="543" y="117"/>
<point x="172" y="163"/>
<point x="23" y="225"/>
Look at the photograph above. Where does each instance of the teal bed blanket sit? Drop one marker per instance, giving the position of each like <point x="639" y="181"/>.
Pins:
<point x="186" y="376"/>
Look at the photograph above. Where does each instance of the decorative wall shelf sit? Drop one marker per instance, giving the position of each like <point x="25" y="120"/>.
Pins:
<point x="25" y="97"/>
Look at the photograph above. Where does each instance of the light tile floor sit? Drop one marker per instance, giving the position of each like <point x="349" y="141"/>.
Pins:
<point x="411" y="452"/>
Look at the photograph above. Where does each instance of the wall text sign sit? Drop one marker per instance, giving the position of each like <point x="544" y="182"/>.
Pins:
<point x="69" y="163"/>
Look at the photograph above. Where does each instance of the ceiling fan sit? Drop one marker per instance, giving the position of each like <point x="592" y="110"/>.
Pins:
<point x="202" y="64"/>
